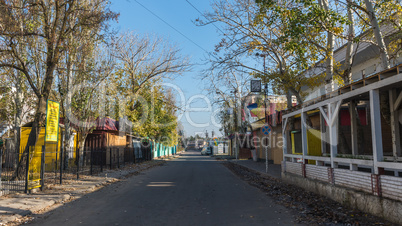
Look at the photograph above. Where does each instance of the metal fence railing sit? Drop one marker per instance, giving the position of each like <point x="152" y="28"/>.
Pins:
<point x="21" y="172"/>
<point x="14" y="170"/>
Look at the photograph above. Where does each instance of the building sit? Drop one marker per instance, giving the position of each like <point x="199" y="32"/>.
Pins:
<point x="275" y="107"/>
<point x="344" y="140"/>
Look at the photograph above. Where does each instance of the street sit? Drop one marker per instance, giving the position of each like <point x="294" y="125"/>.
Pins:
<point x="104" y="105"/>
<point x="189" y="190"/>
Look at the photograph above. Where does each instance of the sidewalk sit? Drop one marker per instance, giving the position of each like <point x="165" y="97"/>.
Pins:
<point x="259" y="166"/>
<point x="14" y="207"/>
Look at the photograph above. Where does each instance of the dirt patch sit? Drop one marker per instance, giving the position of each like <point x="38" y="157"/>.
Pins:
<point x="310" y="208"/>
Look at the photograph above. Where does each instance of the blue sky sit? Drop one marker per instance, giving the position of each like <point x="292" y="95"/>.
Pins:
<point x="141" y="16"/>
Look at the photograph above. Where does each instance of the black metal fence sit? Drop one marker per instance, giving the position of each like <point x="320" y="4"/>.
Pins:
<point x="18" y="171"/>
<point x="49" y="165"/>
<point x="91" y="161"/>
<point x="120" y="157"/>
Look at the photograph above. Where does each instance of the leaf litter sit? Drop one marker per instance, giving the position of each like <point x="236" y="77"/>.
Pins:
<point x="309" y="208"/>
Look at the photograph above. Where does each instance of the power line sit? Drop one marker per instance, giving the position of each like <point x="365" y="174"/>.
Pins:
<point x="172" y="27"/>
<point x="204" y="16"/>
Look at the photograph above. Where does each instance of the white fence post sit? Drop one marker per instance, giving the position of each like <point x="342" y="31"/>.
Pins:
<point x="304" y="135"/>
<point x="333" y="109"/>
<point x="376" y="133"/>
<point x="353" y="127"/>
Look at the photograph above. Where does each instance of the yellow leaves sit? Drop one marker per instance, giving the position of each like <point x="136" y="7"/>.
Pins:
<point x="255" y="44"/>
<point x="313" y="81"/>
<point x="338" y="80"/>
<point x="258" y="20"/>
<point x="287" y="13"/>
<point x="338" y="30"/>
<point x="30" y="25"/>
<point x="394" y="46"/>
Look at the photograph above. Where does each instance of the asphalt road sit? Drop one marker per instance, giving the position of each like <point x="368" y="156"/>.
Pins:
<point x="190" y="190"/>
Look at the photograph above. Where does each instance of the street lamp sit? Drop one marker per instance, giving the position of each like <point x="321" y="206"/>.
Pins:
<point x="264" y="55"/>
<point x="237" y="122"/>
<point x="265" y="102"/>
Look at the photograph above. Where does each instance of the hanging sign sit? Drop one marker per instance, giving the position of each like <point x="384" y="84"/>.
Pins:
<point x="255" y="86"/>
<point x="52" y="121"/>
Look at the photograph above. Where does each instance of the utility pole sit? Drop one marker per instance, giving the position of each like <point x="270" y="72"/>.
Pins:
<point x="265" y="104"/>
<point x="238" y="124"/>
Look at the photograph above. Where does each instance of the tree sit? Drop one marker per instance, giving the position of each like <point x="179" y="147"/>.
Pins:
<point x="17" y="100"/>
<point x="147" y="58"/>
<point x="309" y="17"/>
<point x="34" y="38"/>
<point x="347" y="76"/>
<point x="372" y="16"/>
<point x="249" y="35"/>
<point x="224" y="119"/>
<point x="154" y="115"/>
<point x="87" y="72"/>
<point x="142" y="63"/>
<point x="310" y="29"/>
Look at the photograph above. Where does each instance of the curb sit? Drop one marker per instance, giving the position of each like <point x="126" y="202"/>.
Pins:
<point x="263" y="173"/>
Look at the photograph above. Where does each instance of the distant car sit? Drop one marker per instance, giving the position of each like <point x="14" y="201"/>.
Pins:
<point x="190" y="146"/>
<point x="206" y="150"/>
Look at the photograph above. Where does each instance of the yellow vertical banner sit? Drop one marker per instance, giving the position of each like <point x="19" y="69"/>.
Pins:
<point x="34" y="170"/>
<point x="52" y="121"/>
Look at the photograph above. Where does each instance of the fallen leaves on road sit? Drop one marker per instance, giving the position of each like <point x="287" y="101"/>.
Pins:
<point x="309" y="208"/>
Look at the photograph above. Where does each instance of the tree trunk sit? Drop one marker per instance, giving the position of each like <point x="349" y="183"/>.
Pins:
<point x="18" y="108"/>
<point x="67" y="141"/>
<point x="330" y="46"/>
<point x="378" y="35"/>
<point x="299" y="99"/>
<point x="81" y="144"/>
<point x="39" y="117"/>
<point x="384" y="100"/>
<point x="18" y="116"/>
<point x="347" y="75"/>
<point x="68" y="146"/>
<point x="289" y="100"/>
<point x="33" y="136"/>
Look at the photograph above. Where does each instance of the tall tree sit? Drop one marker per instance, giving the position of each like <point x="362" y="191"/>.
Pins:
<point x="142" y="63"/>
<point x="349" y="48"/>
<point x="145" y="58"/>
<point x="251" y="34"/>
<point x="86" y="59"/>
<point x="377" y="33"/>
<point x="41" y="27"/>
